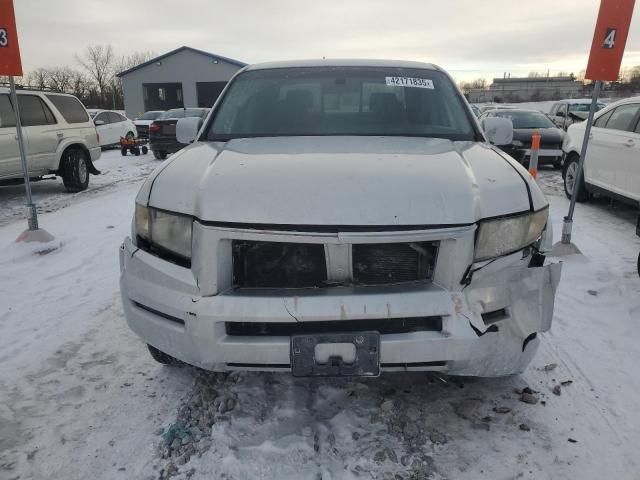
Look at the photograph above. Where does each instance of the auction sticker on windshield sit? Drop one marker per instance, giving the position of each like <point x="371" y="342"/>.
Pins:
<point x="409" y="82"/>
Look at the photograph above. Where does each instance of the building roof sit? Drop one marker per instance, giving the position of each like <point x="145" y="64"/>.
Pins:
<point x="343" y="63"/>
<point x="177" y="50"/>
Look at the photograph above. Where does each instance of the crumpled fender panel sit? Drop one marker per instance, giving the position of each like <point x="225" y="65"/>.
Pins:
<point x="527" y="295"/>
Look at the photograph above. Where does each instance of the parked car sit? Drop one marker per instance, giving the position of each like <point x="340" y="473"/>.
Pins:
<point x="143" y="121"/>
<point x="60" y="138"/>
<point x="567" y="112"/>
<point x="476" y="110"/>
<point x="525" y="124"/>
<point x="341" y="218"/>
<point x="612" y="165"/>
<point x="162" y="132"/>
<point x="112" y="126"/>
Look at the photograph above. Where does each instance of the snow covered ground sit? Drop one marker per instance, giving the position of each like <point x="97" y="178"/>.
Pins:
<point x="81" y="398"/>
<point x="50" y="194"/>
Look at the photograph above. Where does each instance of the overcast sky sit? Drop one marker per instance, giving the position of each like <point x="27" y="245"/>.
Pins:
<point x="470" y="39"/>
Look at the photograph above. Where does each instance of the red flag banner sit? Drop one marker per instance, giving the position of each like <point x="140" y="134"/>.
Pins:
<point x="609" y="39"/>
<point x="10" y="63"/>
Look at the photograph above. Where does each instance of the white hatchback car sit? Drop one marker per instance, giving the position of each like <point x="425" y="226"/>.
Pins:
<point x="59" y="135"/>
<point x="612" y="165"/>
<point x="112" y="126"/>
<point x="341" y="218"/>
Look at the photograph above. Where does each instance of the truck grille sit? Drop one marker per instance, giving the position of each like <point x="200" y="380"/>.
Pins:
<point x="375" y="264"/>
<point x="278" y="265"/>
<point x="302" y="265"/>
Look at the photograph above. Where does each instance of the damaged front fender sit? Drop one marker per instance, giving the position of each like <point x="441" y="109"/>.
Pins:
<point x="527" y="295"/>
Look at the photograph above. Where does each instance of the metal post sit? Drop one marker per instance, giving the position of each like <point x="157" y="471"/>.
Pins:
<point x="568" y="220"/>
<point x="32" y="219"/>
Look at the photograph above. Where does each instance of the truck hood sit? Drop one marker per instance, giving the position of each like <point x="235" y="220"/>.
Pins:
<point x="351" y="181"/>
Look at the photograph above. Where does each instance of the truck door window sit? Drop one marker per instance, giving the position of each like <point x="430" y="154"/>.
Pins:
<point x="34" y="112"/>
<point x="7" y="117"/>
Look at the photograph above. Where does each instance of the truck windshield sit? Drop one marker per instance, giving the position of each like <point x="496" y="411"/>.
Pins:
<point x="318" y="101"/>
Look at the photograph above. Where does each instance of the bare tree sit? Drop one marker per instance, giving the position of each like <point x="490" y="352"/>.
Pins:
<point x="60" y="78"/>
<point x="99" y="63"/>
<point x="479" y="83"/>
<point x="136" y="58"/>
<point x="38" y="78"/>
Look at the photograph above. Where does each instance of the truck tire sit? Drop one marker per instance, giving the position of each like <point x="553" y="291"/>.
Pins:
<point x="74" y="170"/>
<point x="161" y="357"/>
<point x="569" y="174"/>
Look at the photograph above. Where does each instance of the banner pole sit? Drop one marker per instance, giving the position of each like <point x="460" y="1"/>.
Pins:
<point x="32" y="218"/>
<point x="568" y="220"/>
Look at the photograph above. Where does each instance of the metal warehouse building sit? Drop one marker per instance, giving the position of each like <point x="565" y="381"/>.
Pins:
<point x="184" y="77"/>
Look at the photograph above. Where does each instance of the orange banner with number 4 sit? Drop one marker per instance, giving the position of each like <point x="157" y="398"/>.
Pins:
<point x="609" y="39"/>
<point x="10" y="63"/>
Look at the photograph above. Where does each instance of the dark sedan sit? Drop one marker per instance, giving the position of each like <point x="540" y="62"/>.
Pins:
<point x="162" y="132"/>
<point x="525" y="124"/>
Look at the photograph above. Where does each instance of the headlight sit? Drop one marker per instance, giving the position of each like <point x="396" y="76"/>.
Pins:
<point x="517" y="143"/>
<point x="165" y="231"/>
<point x="510" y="234"/>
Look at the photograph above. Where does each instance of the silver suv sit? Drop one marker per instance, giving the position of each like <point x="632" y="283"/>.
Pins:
<point x="60" y="138"/>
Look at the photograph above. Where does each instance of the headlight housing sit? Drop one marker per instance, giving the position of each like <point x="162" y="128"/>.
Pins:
<point x="506" y="235"/>
<point x="165" y="233"/>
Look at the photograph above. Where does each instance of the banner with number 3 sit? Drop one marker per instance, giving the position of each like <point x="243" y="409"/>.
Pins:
<point x="10" y="63"/>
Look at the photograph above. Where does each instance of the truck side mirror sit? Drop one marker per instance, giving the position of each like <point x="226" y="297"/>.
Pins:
<point x="187" y="129"/>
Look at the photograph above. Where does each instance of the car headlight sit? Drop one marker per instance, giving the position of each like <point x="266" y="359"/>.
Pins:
<point x="165" y="232"/>
<point x="509" y="234"/>
<point x="517" y="143"/>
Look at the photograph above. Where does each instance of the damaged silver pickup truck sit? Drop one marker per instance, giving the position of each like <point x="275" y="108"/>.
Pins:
<point x="341" y="218"/>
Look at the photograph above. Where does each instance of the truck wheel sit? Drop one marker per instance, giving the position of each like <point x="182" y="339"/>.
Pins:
<point x="130" y="136"/>
<point x="160" y="155"/>
<point x="570" y="174"/>
<point x="74" y="170"/>
<point x="161" y="357"/>
<point x="145" y="150"/>
<point x="123" y="151"/>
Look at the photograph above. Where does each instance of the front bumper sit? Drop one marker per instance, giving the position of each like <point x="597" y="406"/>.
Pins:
<point x="545" y="155"/>
<point x="488" y="327"/>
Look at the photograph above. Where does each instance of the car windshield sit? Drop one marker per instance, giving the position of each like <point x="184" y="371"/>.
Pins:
<point x="181" y="113"/>
<point x="317" y="101"/>
<point x="150" y="115"/>
<point x="584" y="107"/>
<point x="526" y="119"/>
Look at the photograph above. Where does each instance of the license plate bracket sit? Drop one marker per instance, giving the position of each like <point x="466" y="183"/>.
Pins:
<point x="366" y="362"/>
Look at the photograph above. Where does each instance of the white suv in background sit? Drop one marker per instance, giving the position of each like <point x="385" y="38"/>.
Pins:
<point x="612" y="165"/>
<point x="60" y="138"/>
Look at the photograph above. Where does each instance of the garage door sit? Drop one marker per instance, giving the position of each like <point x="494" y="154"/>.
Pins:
<point x="208" y="93"/>
<point x="162" y="96"/>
